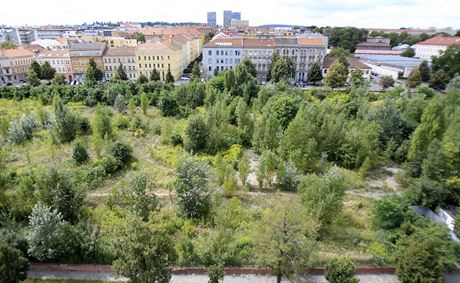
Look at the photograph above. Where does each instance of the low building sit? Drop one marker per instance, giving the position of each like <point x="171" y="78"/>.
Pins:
<point x="160" y="55"/>
<point x="378" y="39"/>
<point x="14" y="64"/>
<point x="48" y="43"/>
<point x="59" y="59"/>
<point x="373" y="46"/>
<point x="434" y="46"/>
<point x="353" y="64"/>
<point x="81" y="52"/>
<point x="113" y="57"/>
<point x="378" y="52"/>
<point x="390" y="65"/>
<point x="240" y="24"/>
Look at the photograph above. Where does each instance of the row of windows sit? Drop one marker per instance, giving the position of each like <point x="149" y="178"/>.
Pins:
<point x="21" y="62"/>
<point x="225" y="52"/>
<point x="150" y="58"/>
<point x="130" y="75"/>
<point x="58" y="62"/>
<point x="154" y="65"/>
<point x="109" y="68"/>
<point x="226" y="60"/>
<point x="109" y="60"/>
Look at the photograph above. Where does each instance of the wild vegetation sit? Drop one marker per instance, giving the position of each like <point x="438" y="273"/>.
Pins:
<point x="227" y="173"/>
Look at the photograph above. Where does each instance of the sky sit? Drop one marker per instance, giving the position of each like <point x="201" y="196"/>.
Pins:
<point x="358" y="13"/>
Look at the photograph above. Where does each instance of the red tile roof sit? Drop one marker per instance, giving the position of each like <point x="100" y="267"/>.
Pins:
<point x="54" y="53"/>
<point x="311" y="41"/>
<point x="354" y="63"/>
<point x="16" y="53"/>
<point x="441" y="40"/>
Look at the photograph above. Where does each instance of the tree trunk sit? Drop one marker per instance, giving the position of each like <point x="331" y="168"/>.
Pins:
<point x="279" y="277"/>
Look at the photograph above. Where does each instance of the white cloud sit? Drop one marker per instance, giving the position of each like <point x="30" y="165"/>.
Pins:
<point x="360" y="13"/>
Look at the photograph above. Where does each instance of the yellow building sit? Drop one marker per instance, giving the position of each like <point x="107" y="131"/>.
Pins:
<point x="111" y="41"/>
<point x="81" y="52"/>
<point x="161" y="55"/>
<point x="14" y="64"/>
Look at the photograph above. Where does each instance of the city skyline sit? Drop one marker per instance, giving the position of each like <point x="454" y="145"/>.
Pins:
<point x="359" y="13"/>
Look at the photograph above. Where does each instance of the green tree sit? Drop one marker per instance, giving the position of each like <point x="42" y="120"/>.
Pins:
<point x="267" y="169"/>
<point x="409" y="52"/>
<point x="243" y="169"/>
<point x="435" y="165"/>
<point x="339" y="52"/>
<point x="36" y="67"/>
<point x="285" y="238"/>
<point x="196" y="73"/>
<point x="420" y="263"/>
<point x="457" y="225"/>
<point x="93" y="72"/>
<point x="121" y="73"/>
<point x="121" y="152"/>
<point x="414" y="79"/>
<point x="155" y="75"/>
<point x="79" y="153"/>
<point x="274" y="58"/>
<point x="357" y="79"/>
<point x="57" y="189"/>
<point x="169" y="76"/>
<point x="145" y="253"/>
<point x="340" y="270"/>
<point x="425" y="71"/>
<point x="140" y="37"/>
<point x="448" y="60"/>
<point x="46" y="237"/>
<point x="13" y="265"/>
<point x="46" y="71"/>
<point x="32" y="78"/>
<point x="439" y="80"/>
<point x="142" y="79"/>
<point x="336" y="75"/>
<point x="144" y="102"/>
<point x="120" y="103"/>
<point x="197" y="132"/>
<point x="168" y="104"/>
<point x="140" y="196"/>
<point x="8" y="45"/>
<point x="323" y="196"/>
<point x="287" y="178"/>
<point x="66" y="124"/>
<point x="388" y="213"/>
<point x="250" y="66"/>
<point x="280" y="71"/>
<point x="102" y="125"/>
<point x="316" y="74"/>
<point x="426" y="193"/>
<point x="244" y="122"/>
<point x="59" y="79"/>
<point x="191" y="186"/>
<point x="386" y="82"/>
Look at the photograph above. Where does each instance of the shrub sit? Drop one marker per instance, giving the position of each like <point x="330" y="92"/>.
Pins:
<point x="121" y="122"/>
<point x="13" y="265"/>
<point x="340" y="270"/>
<point x="388" y="213"/>
<point x="83" y="125"/>
<point x="176" y="139"/>
<point x="66" y="125"/>
<point x="121" y="152"/>
<point x="22" y="130"/>
<point x="197" y="132"/>
<point x="157" y="129"/>
<point x="110" y="164"/>
<point x="120" y="104"/>
<point x="102" y="126"/>
<point x="79" y="153"/>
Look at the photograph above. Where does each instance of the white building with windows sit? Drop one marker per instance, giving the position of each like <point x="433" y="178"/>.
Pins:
<point x="59" y="59"/>
<point x="222" y="54"/>
<point x="434" y="46"/>
<point x="114" y="57"/>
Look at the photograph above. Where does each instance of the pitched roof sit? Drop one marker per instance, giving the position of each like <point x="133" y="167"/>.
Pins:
<point x="55" y="53"/>
<point x="225" y="42"/>
<point x="311" y="41"/>
<point x="375" y="44"/>
<point x="353" y="63"/>
<point x="15" y="53"/>
<point x="253" y="42"/>
<point x="157" y="47"/>
<point x="441" y="40"/>
<point x="87" y="46"/>
<point x="120" y="51"/>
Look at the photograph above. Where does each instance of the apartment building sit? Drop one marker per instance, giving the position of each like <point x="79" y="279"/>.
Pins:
<point x="14" y="64"/>
<point x="227" y="19"/>
<point x="434" y="46"/>
<point x="111" y="41"/>
<point x="59" y="59"/>
<point x="81" y="52"/>
<point x="212" y="22"/>
<point x="113" y="57"/>
<point x="225" y="53"/>
<point x="161" y="55"/>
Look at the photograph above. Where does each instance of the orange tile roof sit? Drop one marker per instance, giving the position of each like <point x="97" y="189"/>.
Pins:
<point x="311" y="41"/>
<point x="441" y="40"/>
<point x="226" y="42"/>
<point x="16" y="53"/>
<point x="120" y="51"/>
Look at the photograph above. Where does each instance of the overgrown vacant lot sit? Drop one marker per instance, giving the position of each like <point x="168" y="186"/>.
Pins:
<point x="222" y="174"/>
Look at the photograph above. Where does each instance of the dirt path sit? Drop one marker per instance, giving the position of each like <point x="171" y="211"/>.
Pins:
<point x="381" y="182"/>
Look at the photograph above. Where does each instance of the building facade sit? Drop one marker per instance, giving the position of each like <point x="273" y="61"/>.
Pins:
<point x="227" y="19"/>
<point x="14" y="64"/>
<point x="81" y="52"/>
<point x="434" y="46"/>
<point x="59" y="59"/>
<point x="353" y="64"/>
<point x="212" y="19"/>
<point x="224" y="53"/>
<point x="159" y="55"/>
<point x="114" y="57"/>
<point x="236" y="15"/>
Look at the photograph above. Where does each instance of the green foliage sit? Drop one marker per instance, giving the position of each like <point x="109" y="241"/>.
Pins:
<point x="46" y="239"/>
<point x="13" y="265"/>
<point x="169" y="77"/>
<point x="409" y="52"/>
<point x="426" y="193"/>
<point x="284" y="241"/>
<point x="316" y="74"/>
<point x="448" y="61"/>
<point x="140" y="196"/>
<point x="22" y="130"/>
<point x="155" y="75"/>
<point x="439" y="80"/>
<point x="120" y="103"/>
<point x="414" y="79"/>
<point x="57" y="189"/>
<point x="191" y="186"/>
<point x="424" y="71"/>
<point x="357" y="79"/>
<point x="168" y="105"/>
<point x="197" y="133"/>
<point x="142" y="79"/>
<point x="216" y="273"/>
<point x="140" y="37"/>
<point x="457" y="225"/>
<point x="121" y="152"/>
<point x="121" y="73"/>
<point x="346" y="38"/>
<point x="93" y="73"/>
<point x="79" y="153"/>
<point x="386" y="82"/>
<point x="340" y="270"/>
<point x="339" y="52"/>
<point x="280" y="70"/>
<point x="389" y="213"/>
<point x="288" y="177"/>
<point x="144" y="102"/>
<point x="32" y="78"/>
<point x="267" y="169"/>
<point x="66" y="124"/>
<point x="323" y="196"/>
<point x="144" y="253"/>
<point x="196" y="73"/>
<point x="8" y="45"/>
<point x="59" y="79"/>
<point x="243" y="169"/>
<point x="102" y="125"/>
<point x="336" y="76"/>
<point x="46" y="71"/>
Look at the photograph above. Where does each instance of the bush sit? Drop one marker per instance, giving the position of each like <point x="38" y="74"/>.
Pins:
<point x="121" y="122"/>
<point x="120" y="104"/>
<point x="23" y="129"/>
<point x="110" y="164"/>
<point x="197" y="132"/>
<point x="102" y="126"/>
<point x="340" y="270"/>
<point x="66" y="124"/>
<point x="176" y="139"/>
<point x="79" y="153"/>
<point x="388" y="213"/>
<point x="121" y="152"/>
<point x="83" y="125"/>
<point x="13" y="265"/>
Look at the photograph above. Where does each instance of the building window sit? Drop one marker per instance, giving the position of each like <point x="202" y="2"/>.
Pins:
<point x="210" y="52"/>
<point x="210" y="68"/>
